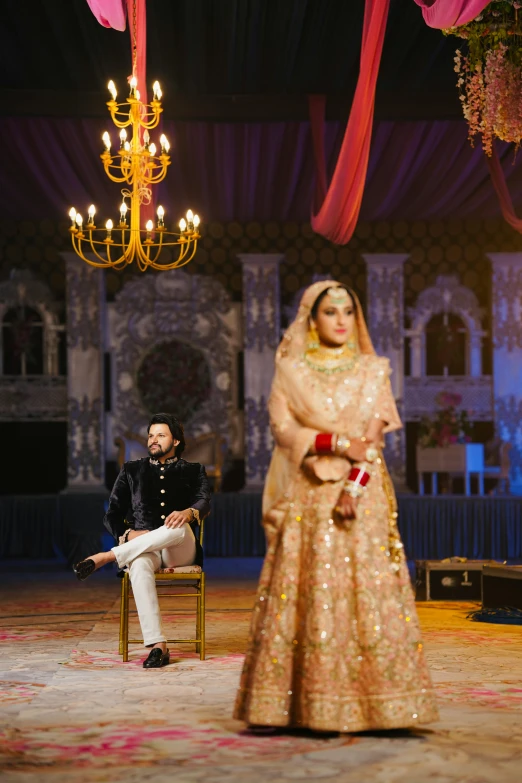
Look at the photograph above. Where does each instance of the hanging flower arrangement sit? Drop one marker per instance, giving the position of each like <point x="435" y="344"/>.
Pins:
<point x="490" y="73"/>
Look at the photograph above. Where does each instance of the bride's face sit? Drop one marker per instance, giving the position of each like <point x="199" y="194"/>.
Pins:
<point x="335" y="320"/>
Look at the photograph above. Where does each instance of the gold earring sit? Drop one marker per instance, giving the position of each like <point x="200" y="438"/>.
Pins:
<point x="313" y="338"/>
<point x="353" y="342"/>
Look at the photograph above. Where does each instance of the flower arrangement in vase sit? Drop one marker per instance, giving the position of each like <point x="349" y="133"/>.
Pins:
<point x="448" y="426"/>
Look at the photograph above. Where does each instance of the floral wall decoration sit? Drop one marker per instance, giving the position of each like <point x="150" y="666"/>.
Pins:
<point x="489" y="70"/>
<point x="174" y="376"/>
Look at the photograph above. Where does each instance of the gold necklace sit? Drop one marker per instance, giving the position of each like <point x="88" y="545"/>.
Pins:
<point x="332" y="360"/>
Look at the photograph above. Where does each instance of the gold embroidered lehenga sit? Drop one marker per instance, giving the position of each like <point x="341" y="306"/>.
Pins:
<point x="335" y="643"/>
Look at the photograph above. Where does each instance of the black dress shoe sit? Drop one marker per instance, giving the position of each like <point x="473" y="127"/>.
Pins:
<point x="84" y="569"/>
<point x="157" y="658"/>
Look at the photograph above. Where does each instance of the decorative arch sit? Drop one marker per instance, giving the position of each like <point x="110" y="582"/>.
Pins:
<point x="446" y="296"/>
<point x="24" y="292"/>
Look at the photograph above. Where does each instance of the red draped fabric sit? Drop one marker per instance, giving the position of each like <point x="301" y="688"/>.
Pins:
<point x="336" y="210"/>
<point x="450" y="13"/>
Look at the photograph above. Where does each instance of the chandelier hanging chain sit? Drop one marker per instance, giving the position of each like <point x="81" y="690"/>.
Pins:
<point x="138" y="166"/>
<point x="134" y="40"/>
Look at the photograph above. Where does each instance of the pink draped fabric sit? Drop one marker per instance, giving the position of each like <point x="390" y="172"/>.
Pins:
<point x="450" y="13"/>
<point x="109" y="13"/>
<point x="338" y="207"/>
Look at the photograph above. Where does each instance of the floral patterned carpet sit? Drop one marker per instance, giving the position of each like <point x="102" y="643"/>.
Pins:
<point x="72" y="711"/>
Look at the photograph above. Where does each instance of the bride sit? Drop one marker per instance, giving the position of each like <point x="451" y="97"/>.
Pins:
<point x="335" y="643"/>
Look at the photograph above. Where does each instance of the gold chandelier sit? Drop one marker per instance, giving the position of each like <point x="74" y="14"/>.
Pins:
<point x="138" y="166"/>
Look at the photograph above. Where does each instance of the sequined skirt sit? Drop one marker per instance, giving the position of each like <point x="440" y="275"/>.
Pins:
<point x="335" y="643"/>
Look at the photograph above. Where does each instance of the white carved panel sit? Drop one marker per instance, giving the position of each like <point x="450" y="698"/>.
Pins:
<point x="33" y="398"/>
<point x="477" y="395"/>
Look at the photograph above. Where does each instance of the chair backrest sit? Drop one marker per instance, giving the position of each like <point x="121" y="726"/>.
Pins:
<point x="130" y="446"/>
<point x="209" y="450"/>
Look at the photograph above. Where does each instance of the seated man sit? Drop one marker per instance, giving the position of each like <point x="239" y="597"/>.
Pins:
<point x="158" y="497"/>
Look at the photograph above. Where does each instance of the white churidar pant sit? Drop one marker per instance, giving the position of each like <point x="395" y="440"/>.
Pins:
<point x="161" y="548"/>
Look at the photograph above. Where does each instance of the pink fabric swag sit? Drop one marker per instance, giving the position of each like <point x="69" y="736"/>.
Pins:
<point x="109" y="13"/>
<point x="450" y="13"/>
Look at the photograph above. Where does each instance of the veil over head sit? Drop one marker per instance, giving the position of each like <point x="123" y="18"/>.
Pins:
<point x="295" y="338"/>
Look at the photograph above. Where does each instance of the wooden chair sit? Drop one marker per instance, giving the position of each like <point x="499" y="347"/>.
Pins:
<point x="192" y="577"/>
<point x="208" y="449"/>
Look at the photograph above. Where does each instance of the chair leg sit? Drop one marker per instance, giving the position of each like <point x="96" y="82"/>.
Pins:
<point x="198" y="618"/>
<point x="202" y="618"/>
<point x="122" y="617"/>
<point x="126" y="618"/>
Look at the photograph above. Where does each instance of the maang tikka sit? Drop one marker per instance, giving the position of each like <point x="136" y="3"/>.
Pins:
<point x="338" y="296"/>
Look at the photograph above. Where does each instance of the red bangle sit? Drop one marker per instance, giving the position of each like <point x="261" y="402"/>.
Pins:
<point x="359" y="477"/>
<point x="324" y="443"/>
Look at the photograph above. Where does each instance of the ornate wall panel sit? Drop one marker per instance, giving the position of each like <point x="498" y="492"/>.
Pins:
<point x="85" y="347"/>
<point x="507" y="355"/>
<point x="154" y="311"/>
<point x="385" y="315"/>
<point x="261" y="319"/>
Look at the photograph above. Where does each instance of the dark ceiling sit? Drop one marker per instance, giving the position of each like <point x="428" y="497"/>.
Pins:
<point x="224" y="59"/>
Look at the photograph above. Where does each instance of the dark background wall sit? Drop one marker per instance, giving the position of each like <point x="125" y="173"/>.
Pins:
<point x="445" y="247"/>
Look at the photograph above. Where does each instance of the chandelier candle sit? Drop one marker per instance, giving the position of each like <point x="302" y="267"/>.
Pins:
<point x="136" y="166"/>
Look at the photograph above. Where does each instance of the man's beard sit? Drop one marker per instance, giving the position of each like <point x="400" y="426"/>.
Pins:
<point x="159" y="452"/>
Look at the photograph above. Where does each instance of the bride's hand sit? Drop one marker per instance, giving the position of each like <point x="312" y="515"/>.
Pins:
<point x="357" y="450"/>
<point x="346" y="507"/>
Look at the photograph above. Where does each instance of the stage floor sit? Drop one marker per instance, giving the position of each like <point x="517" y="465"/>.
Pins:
<point x="72" y="711"/>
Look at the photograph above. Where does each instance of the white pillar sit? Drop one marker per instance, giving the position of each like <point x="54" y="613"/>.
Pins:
<point x="507" y="356"/>
<point x="385" y="311"/>
<point x="85" y="347"/>
<point x="261" y="323"/>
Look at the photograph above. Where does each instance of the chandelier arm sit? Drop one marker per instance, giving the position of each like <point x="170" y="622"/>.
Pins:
<point x="176" y="264"/>
<point x="121" y="123"/>
<point x="106" y="261"/>
<point x="140" y="253"/>
<point x="150" y="124"/>
<point x="156" y="178"/>
<point x="191" y="256"/>
<point x="177" y="244"/>
<point x="159" y="248"/>
<point x="123" y="178"/>
<point x="78" y="250"/>
<point x="120" y="262"/>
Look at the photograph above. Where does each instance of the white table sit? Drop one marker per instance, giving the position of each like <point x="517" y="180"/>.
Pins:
<point x="457" y="459"/>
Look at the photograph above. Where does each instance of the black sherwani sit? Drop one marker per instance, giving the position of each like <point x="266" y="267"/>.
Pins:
<point x="146" y="492"/>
